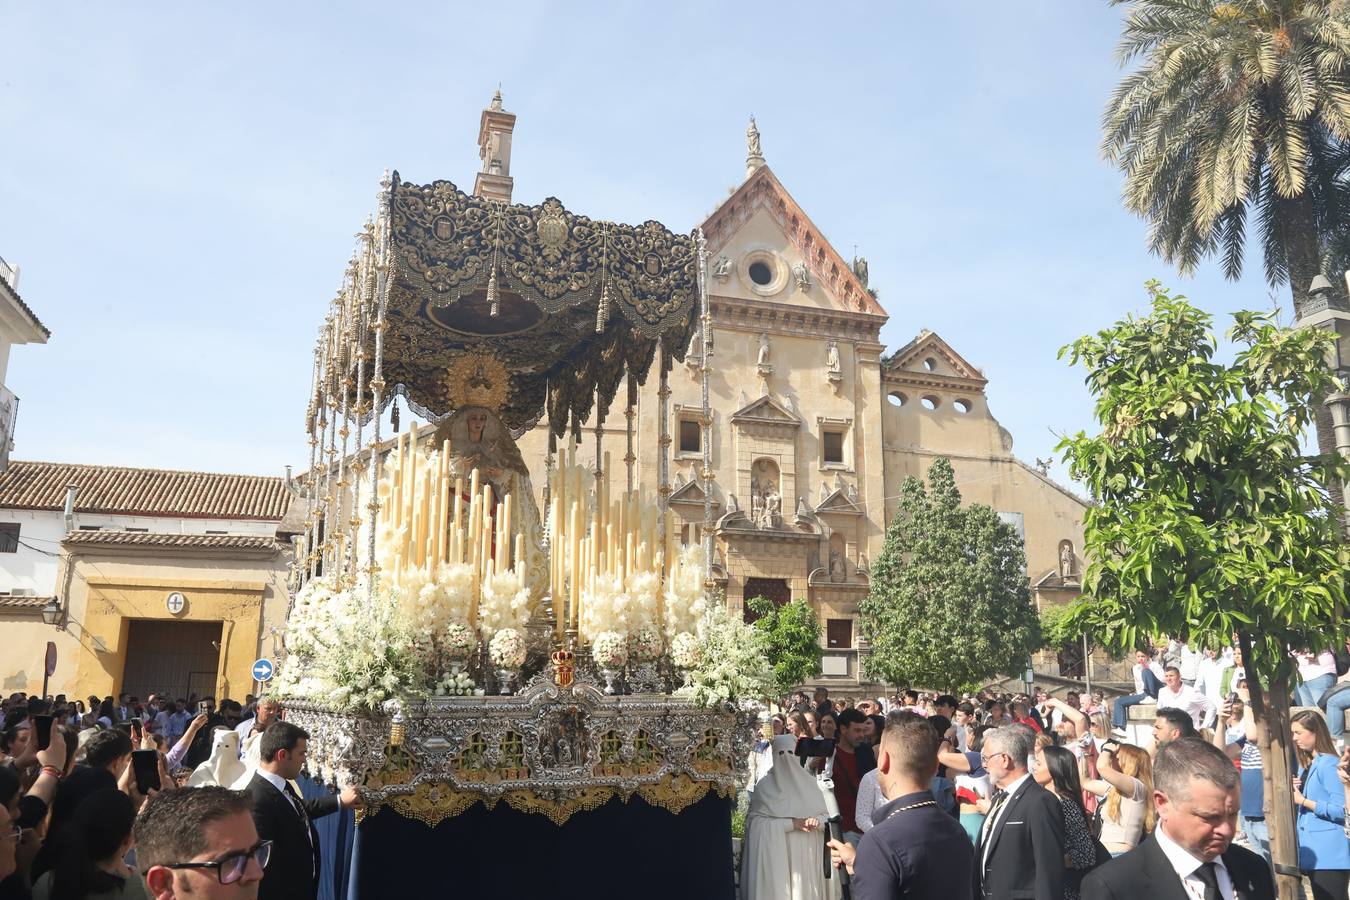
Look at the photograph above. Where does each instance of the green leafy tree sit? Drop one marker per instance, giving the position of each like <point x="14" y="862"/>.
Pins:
<point x="1209" y="519"/>
<point x="1236" y="105"/>
<point x="791" y="640"/>
<point x="949" y="603"/>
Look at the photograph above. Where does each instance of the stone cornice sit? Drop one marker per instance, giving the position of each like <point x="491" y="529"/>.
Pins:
<point x="808" y="321"/>
<point x="933" y="380"/>
<point x="766" y="535"/>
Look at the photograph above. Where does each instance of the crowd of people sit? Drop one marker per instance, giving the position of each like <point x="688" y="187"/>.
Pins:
<point x="1049" y="798"/>
<point x="986" y="795"/>
<point x="119" y="799"/>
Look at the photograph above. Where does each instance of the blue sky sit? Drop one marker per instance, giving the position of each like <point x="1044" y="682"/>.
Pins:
<point x="180" y="183"/>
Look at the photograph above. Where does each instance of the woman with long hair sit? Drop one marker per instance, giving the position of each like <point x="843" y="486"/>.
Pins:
<point x="797" y="725"/>
<point x="1057" y="772"/>
<point x="1323" y="853"/>
<point x="1126" y="782"/>
<point x="89" y="850"/>
<point x="107" y="714"/>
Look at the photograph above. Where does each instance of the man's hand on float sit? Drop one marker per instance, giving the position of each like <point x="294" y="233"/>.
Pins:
<point x="350" y="798"/>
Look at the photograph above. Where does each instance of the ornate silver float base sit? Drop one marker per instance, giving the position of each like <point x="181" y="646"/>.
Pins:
<point x="610" y="675"/>
<point x="548" y="747"/>
<point x="506" y="680"/>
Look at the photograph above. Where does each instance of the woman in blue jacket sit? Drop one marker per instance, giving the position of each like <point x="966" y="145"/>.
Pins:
<point x="1323" y="851"/>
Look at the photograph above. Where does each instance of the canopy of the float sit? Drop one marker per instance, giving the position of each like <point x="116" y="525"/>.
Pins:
<point x="564" y="306"/>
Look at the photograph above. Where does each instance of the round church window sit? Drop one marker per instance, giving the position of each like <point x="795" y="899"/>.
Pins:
<point x="760" y="273"/>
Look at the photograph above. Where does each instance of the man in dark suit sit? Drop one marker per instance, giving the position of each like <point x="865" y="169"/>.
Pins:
<point x="1190" y="853"/>
<point x="1020" y="852"/>
<point x="284" y="818"/>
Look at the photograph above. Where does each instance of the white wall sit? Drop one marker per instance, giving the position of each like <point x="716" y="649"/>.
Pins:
<point x="34" y="566"/>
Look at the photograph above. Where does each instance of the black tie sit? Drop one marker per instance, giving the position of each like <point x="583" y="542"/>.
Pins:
<point x="996" y="803"/>
<point x="1206" y="874"/>
<point x="299" y="805"/>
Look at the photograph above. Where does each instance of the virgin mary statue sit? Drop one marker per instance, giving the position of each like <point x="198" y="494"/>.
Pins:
<point x="479" y="440"/>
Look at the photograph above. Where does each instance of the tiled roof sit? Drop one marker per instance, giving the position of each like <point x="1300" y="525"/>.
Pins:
<point x="172" y="541"/>
<point x="24" y="306"/>
<point x="143" y="492"/>
<point x="11" y="602"/>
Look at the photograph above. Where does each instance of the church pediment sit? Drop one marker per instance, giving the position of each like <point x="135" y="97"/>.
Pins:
<point x="931" y="359"/>
<point x="691" y="494"/>
<point x="767" y="411"/>
<point x="838" y="503"/>
<point x="760" y="223"/>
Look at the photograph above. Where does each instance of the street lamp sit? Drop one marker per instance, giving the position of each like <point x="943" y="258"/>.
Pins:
<point x="51" y="612"/>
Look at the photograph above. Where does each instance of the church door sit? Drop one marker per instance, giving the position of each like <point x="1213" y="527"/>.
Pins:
<point x="774" y="589"/>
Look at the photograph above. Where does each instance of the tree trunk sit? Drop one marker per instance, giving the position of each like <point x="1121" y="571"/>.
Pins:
<point x="1271" y="709"/>
<point x="1302" y="246"/>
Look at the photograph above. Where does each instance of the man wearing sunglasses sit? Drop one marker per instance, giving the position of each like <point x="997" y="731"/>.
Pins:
<point x="200" y="842"/>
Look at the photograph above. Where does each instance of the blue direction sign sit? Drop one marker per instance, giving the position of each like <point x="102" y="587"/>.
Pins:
<point x="262" y="670"/>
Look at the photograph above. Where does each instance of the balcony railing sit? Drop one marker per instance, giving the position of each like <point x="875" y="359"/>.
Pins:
<point x="9" y="273"/>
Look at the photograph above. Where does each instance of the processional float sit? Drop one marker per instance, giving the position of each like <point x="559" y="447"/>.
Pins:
<point x="453" y="643"/>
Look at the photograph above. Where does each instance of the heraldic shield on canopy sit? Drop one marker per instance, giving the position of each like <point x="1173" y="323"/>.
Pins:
<point x="564" y="305"/>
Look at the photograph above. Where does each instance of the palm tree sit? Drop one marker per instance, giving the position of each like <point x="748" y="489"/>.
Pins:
<point x="1237" y="105"/>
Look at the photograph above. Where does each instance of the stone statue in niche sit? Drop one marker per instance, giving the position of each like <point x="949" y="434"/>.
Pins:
<point x="833" y="370"/>
<point x="1066" y="560"/>
<point x="771" y="507"/>
<point x="862" y="562"/>
<point x="836" y="565"/>
<point x="762" y="360"/>
<point x="803" y="277"/>
<point x="756" y="502"/>
<point x="722" y="268"/>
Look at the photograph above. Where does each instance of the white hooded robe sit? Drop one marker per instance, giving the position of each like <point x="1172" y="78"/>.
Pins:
<point x="778" y="863"/>
<point x="222" y="767"/>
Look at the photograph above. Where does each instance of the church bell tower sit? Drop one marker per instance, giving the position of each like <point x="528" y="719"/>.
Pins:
<point x="494" y="148"/>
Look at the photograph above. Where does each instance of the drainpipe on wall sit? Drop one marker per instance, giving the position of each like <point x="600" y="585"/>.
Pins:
<point x="71" y="491"/>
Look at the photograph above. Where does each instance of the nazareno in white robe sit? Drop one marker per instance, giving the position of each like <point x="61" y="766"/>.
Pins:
<point x="223" y="767"/>
<point x="778" y="863"/>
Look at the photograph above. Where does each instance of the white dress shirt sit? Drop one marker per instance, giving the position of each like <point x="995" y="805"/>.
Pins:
<point x="1199" y="707"/>
<point x="1186" y="864"/>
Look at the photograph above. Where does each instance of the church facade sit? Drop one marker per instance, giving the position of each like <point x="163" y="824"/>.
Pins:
<point x="814" y="425"/>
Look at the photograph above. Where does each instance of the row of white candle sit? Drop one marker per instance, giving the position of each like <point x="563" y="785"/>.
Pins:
<point x="593" y="535"/>
<point x="437" y="522"/>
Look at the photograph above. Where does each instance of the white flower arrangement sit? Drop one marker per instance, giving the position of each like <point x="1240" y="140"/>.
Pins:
<point x="684" y="650"/>
<point x="507" y="649"/>
<point x="347" y="649"/>
<point x="456" y="685"/>
<point x="732" y="666"/>
<point x="505" y="603"/>
<point x="686" y="599"/>
<point x="645" y="644"/>
<point x="458" y="641"/>
<point x="625" y="608"/>
<point x="610" y="650"/>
